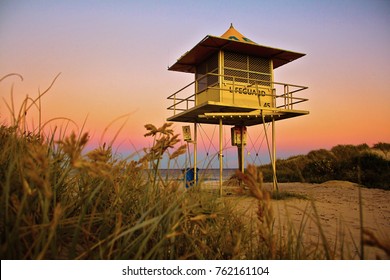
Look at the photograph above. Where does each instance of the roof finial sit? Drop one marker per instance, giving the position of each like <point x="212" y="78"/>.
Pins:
<point x="231" y="25"/>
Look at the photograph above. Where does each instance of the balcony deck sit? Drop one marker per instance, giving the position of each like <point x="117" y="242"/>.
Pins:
<point x="210" y="112"/>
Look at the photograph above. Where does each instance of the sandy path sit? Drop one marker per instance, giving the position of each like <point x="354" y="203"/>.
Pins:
<point x="337" y="205"/>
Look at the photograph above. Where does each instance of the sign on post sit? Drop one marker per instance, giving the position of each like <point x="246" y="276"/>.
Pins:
<point x="186" y="133"/>
<point x="237" y="138"/>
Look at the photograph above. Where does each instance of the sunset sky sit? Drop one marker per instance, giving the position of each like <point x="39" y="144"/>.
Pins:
<point x="113" y="58"/>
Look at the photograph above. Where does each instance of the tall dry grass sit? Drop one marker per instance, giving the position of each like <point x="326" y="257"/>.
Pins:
<point x="59" y="202"/>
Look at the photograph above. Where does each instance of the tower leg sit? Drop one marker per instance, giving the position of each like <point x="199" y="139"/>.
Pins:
<point x="195" y="153"/>
<point x="240" y="151"/>
<point x="220" y="156"/>
<point x="271" y="151"/>
<point x="275" y="181"/>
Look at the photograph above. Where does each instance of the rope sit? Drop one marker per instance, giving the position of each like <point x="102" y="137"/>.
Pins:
<point x="248" y="151"/>
<point x="257" y="150"/>
<point x="209" y="163"/>
<point x="204" y="146"/>
<point x="210" y="140"/>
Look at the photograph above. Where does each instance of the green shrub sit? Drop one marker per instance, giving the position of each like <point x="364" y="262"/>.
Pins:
<point x="374" y="171"/>
<point x="359" y="164"/>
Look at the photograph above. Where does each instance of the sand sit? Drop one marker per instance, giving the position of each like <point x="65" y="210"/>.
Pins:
<point x="337" y="205"/>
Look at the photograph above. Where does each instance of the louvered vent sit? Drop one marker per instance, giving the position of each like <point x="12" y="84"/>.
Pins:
<point x="247" y="69"/>
<point x="203" y="70"/>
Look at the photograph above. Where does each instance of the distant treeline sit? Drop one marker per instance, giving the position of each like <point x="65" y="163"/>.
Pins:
<point x="368" y="166"/>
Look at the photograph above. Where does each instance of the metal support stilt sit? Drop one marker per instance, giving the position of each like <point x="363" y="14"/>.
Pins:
<point x="240" y="151"/>
<point x="195" y="153"/>
<point x="220" y="156"/>
<point x="275" y="181"/>
<point x="272" y="151"/>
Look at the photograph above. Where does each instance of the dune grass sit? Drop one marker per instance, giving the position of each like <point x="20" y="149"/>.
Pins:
<point x="59" y="202"/>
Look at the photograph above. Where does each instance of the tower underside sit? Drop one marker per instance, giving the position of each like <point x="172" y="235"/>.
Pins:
<point x="211" y="112"/>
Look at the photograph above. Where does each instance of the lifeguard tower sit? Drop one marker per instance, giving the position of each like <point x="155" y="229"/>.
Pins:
<point x="234" y="85"/>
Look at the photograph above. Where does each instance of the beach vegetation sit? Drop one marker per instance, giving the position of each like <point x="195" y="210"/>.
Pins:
<point x="60" y="201"/>
<point x="361" y="164"/>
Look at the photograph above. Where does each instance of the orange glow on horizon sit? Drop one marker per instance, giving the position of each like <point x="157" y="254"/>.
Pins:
<point x="113" y="61"/>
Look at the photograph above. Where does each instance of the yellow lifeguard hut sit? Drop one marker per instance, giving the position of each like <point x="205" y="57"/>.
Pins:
<point x="234" y="85"/>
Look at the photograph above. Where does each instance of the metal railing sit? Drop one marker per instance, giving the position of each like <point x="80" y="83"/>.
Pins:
<point x="287" y="98"/>
<point x="179" y="101"/>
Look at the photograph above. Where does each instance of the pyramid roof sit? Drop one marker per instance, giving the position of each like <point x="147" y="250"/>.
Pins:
<point x="233" y="34"/>
<point x="233" y="41"/>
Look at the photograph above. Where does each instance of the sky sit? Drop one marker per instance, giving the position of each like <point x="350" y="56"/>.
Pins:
<point x="113" y="58"/>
